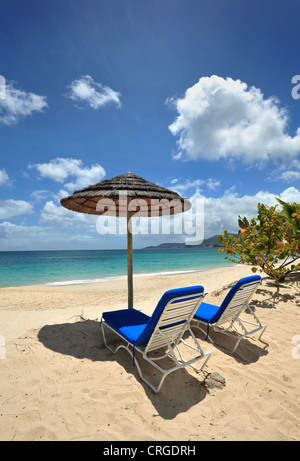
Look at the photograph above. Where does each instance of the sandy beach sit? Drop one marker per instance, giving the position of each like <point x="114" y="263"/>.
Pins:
<point x="59" y="382"/>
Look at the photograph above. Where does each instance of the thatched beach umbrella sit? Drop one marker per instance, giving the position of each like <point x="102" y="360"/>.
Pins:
<point x="125" y="196"/>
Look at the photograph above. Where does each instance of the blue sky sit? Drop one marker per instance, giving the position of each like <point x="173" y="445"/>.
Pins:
<point x="194" y="95"/>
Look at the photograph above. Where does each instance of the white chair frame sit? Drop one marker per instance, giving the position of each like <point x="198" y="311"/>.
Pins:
<point x="231" y="315"/>
<point x="176" y="309"/>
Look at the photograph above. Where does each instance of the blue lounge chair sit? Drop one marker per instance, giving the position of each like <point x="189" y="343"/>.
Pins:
<point x="162" y="331"/>
<point x="228" y="313"/>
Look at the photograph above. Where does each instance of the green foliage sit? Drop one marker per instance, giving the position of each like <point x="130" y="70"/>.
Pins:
<point x="291" y="213"/>
<point x="269" y="243"/>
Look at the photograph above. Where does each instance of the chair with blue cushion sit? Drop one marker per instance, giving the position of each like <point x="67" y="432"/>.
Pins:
<point x="163" y="331"/>
<point x="227" y="315"/>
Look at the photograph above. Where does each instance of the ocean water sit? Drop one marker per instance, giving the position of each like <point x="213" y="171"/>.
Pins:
<point x="54" y="268"/>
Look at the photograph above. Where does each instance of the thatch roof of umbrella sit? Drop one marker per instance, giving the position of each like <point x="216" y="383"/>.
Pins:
<point x="150" y="198"/>
<point x="129" y="194"/>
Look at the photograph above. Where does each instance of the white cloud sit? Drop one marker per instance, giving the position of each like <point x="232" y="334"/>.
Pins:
<point x="182" y="186"/>
<point x="212" y="184"/>
<point x="4" y="179"/>
<point x="60" y="194"/>
<point x="288" y="173"/>
<point x="60" y="169"/>
<point x="18" y="104"/>
<point x="224" y="118"/>
<point x="12" y="208"/>
<point x="18" y="237"/>
<point x="290" y="195"/>
<point x="96" y="95"/>
<point x="57" y="214"/>
<point x="222" y="213"/>
<point x="65" y="229"/>
<point x="40" y="195"/>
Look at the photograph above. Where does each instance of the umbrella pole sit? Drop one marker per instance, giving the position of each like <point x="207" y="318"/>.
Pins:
<point x="129" y="257"/>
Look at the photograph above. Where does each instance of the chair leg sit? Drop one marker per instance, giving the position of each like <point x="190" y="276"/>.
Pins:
<point x="238" y="338"/>
<point x="196" y="347"/>
<point x="127" y="348"/>
<point x="263" y="330"/>
<point x="197" y="325"/>
<point x="236" y="345"/>
<point x="104" y="338"/>
<point x="164" y="372"/>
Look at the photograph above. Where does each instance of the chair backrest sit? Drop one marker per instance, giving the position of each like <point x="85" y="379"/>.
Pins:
<point x="172" y="315"/>
<point x="238" y="298"/>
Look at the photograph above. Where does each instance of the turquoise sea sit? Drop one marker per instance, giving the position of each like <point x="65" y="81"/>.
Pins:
<point x="19" y="268"/>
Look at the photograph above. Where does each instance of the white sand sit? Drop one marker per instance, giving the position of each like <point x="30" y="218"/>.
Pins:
<point x="59" y="382"/>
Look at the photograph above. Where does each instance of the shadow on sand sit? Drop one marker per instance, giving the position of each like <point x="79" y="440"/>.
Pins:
<point x="83" y="340"/>
<point x="270" y="295"/>
<point x="248" y="351"/>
